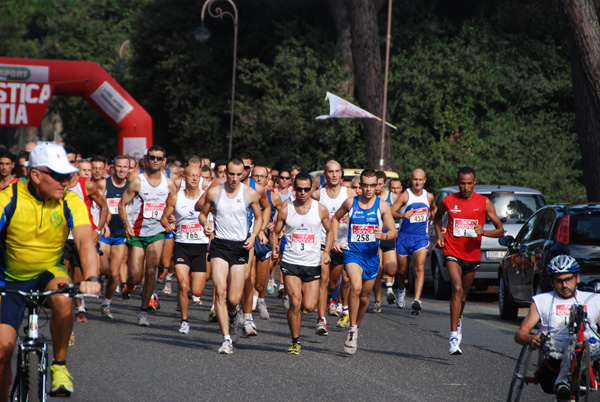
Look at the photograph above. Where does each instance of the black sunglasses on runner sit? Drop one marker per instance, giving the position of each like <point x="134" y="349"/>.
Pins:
<point x="58" y="177"/>
<point x="284" y="177"/>
<point x="305" y="189"/>
<point x="156" y="158"/>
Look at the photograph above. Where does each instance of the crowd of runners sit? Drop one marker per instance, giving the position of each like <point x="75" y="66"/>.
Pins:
<point x="157" y="223"/>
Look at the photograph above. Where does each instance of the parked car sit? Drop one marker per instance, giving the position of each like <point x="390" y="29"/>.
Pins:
<point x="572" y="229"/>
<point x="514" y="205"/>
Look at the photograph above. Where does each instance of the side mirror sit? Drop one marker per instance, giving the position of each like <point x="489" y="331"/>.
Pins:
<point x="507" y="241"/>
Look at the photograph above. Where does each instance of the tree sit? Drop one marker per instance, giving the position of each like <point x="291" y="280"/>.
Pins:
<point x="584" y="42"/>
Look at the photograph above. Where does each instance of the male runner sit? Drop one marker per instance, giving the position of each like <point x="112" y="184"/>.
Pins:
<point x="145" y="235"/>
<point x="190" y="241"/>
<point x="368" y="216"/>
<point x="467" y="212"/>
<point x="229" y="250"/>
<point x="114" y="245"/>
<point x="332" y="195"/>
<point x="33" y="245"/>
<point x="395" y="188"/>
<point x="7" y="167"/>
<point x="302" y="221"/>
<point x="413" y="238"/>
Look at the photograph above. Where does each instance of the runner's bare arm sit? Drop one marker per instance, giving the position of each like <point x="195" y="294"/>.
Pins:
<point x="82" y="236"/>
<point x="132" y="190"/>
<point x="491" y="213"/>
<point x="324" y="215"/>
<point x="92" y="191"/>
<point x="210" y="196"/>
<point x="400" y="201"/>
<point x="279" y="223"/>
<point x="253" y="197"/>
<point x="335" y="224"/>
<point x="388" y="222"/>
<point x="437" y="224"/>
<point x="432" y="206"/>
<point x="169" y="208"/>
<point x="523" y="336"/>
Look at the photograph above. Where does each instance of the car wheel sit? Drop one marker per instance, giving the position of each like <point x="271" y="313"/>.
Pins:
<point x="441" y="288"/>
<point x="508" y="308"/>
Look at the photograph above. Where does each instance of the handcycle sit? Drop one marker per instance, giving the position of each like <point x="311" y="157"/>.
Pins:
<point x="32" y="351"/>
<point x="583" y="370"/>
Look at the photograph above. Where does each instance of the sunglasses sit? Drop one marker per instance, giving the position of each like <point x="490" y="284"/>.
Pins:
<point x="367" y="185"/>
<point x="285" y="177"/>
<point x="58" y="177"/>
<point x="560" y="281"/>
<point x="248" y="166"/>
<point x="259" y="176"/>
<point x="300" y="189"/>
<point x="156" y="158"/>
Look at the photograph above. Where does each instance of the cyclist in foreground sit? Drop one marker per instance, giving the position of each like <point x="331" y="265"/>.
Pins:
<point x="36" y="216"/>
<point x="552" y="310"/>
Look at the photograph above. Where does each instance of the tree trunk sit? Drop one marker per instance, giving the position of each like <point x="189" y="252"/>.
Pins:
<point x="369" y="78"/>
<point x="343" y="45"/>
<point x="584" y="41"/>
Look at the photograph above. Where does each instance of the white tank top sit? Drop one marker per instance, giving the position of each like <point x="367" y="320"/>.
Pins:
<point x="189" y="230"/>
<point x="231" y="215"/>
<point x="303" y="235"/>
<point x="148" y="207"/>
<point x="333" y="204"/>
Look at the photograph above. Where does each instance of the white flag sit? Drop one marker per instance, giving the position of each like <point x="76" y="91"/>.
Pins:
<point x="342" y="109"/>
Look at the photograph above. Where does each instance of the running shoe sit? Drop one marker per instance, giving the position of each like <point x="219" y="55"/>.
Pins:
<point x="118" y="289"/>
<point x="234" y="332"/>
<point x="81" y="316"/>
<point x="376" y="307"/>
<point x="143" y="319"/>
<point x="280" y="292"/>
<point x="154" y="303"/>
<point x="332" y="310"/>
<point x="127" y="290"/>
<point x="263" y="313"/>
<point x="72" y="339"/>
<point x="239" y="318"/>
<point x="344" y="321"/>
<point x="271" y="286"/>
<point x="339" y="308"/>
<point x="254" y="303"/>
<point x="62" y="381"/>
<point x="563" y="392"/>
<point x="106" y="311"/>
<point x="212" y="316"/>
<point x="416" y="305"/>
<point x="168" y="289"/>
<point x="322" y="328"/>
<point x="196" y="300"/>
<point x="459" y="329"/>
<point x="185" y="328"/>
<point x="454" y="348"/>
<point x="285" y="302"/>
<point x="249" y="329"/>
<point x="226" y="348"/>
<point x="391" y="298"/>
<point x="400" y="294"/>
<point x="162" y="272"/>
<point x="295" y="348"/>
<point x="351" y="342"/>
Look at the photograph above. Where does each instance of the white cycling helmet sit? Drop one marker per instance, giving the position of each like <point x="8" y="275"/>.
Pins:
<point x="563" y="264"/>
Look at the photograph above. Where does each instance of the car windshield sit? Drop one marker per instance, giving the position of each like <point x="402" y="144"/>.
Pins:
<point x="585" y="228"/>
<point x="515" y="206"/>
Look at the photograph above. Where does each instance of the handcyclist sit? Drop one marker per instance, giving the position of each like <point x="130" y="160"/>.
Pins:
<point x="36" y="218"/>
<point x="551" y="311"/>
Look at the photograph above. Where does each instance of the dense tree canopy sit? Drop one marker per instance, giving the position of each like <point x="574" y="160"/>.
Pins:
<point x="480" y="83"/>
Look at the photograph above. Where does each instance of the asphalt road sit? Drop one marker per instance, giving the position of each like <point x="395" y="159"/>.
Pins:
<point x="400" y="357"/>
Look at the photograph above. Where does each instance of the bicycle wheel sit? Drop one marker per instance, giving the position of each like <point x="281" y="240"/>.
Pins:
<point x="34" y="385"/>
<point x="519" y="375"/>
<point x="581" y="384"/>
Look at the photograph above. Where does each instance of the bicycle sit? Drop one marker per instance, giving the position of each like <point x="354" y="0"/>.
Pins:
<point x="583" y="371"/>
<point x="32" y="351"/>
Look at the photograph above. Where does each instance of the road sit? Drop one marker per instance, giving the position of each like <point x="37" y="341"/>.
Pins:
<point x="399" y="357"/>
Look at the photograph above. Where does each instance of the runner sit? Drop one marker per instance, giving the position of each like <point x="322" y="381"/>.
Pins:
<point x="33" y="242"/>
<point x="332" y="196"/>
<point x="145" y="235"/>
<point x="302" y="222"/>
<point x="368" y="217"/>
<point x="395" y="188"/>
<point x="229" y="250"/>
<point x="467" y="213"/>
<point x="190" y="241"/>
<point x="413" y="239"/>
<point x="114" y="246"/>
<point x="7" y="169"/>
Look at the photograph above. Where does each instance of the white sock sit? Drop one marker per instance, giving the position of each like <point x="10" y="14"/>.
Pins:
<point x="106" y="302"/>
<point x="248" y="317"/>
<point x="259" y="300"/>
<point x="453" y="334"/>
<point x="227" y="338"/>
<point x="82" y="303"/>
<point x="254" y="299"/>
<point x="169" y="277"/>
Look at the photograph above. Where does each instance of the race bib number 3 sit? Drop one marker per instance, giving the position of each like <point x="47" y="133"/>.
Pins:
<point x="419" y="215"/>
<point x="154" y="210"/>
<point x="113" y="205"/>
<point x="303" y="242"/>
<point x="190" y="231"/>
<point x="464" y="228"/>
<point x="362" y="233"/>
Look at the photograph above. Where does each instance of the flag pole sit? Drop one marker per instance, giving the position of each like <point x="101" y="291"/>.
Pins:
<point x="385" y="84"/>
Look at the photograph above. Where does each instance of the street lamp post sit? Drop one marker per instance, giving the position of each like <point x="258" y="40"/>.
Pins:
<point x="385" y="84"/>
<point x="202" y="34"/>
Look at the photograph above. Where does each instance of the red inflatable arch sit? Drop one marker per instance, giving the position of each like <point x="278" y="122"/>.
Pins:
<point x="26" y="85"/>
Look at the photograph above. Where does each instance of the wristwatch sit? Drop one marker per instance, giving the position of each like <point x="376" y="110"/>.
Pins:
<point x="98" y="231"/>
<point x="93" y="279"/>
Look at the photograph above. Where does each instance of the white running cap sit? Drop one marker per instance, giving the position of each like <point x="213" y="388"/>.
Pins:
<point x="52" y="156"/>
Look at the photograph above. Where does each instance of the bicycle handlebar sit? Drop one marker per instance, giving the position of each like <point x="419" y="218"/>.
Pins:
<point x="68" y="289"/>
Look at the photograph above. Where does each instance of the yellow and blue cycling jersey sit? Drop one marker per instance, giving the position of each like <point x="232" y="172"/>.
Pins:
<point x="33" y="231"/>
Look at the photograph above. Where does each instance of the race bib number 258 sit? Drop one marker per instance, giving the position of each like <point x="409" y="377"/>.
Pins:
<point x="362" y="233"/>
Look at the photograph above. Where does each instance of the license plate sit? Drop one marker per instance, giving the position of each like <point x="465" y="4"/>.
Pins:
<point x="495" y="254"/>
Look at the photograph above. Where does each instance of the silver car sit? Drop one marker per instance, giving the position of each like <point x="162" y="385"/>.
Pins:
<point x="514" y="205"/>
